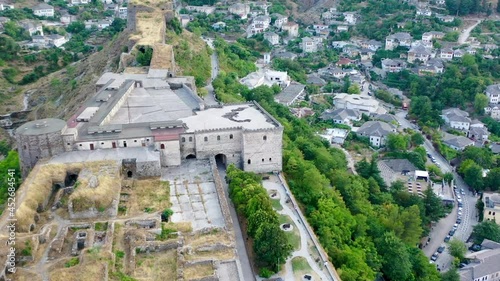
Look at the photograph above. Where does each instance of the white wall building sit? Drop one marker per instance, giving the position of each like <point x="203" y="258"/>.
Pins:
<point x="43" y="10"/>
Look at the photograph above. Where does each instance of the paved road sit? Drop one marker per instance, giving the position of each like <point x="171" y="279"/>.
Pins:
<point x="466" y="33"/>
<point x="246" y="267"/>
<point x="469" y="212"/>
<point x="210" y="98"/>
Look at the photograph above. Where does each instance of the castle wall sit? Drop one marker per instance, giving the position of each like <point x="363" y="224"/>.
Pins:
<point x="148" y="169"/>
<point x="187" y="145"/>
<point x="170" y="154"/>
<point x="227" y="142"/>
<point x="262" y="150"/>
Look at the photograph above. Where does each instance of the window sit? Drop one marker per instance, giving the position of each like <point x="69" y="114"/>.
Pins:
<point x="493" y="213"/>
<point x="206" y="138"/>
<point x="135" y="140"/>
<point x="489" y="213"/>
<point x="80" y="144"/>
<point x="270" y="160"/>
<point x="24" y="146"/>
<point x="147" y="139"/>
<point x="218" y="137"/>
<point x="67" y="144"/>
<point x="162" y="146"/>
<point x="262" y="159"/>
<point x="102" y="143"/>
<point x="183" y="139"/>
<point x="264" y="137"/>
<point x="190" y="139"/>
<point x="231" y="136"/>
<point x="249" y="161"/>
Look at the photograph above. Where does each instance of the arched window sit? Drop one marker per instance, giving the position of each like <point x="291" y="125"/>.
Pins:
<point x="270" y="159"/>
<point x="206" y="138"/>
<point x="162" y="146"/>
<point x="218" y="137"/>
<point x="264" y="137"/>
<point x="190" y="139"/>
<point x="249" y="161"/>
<point x="262" y="159"/>
<point x="231" y="136"/>
<point x="183" y="139"/>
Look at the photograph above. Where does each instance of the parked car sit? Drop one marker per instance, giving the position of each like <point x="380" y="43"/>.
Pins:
<point x="459" y="221"/>
<point x="451" y="233"/>
<point x="440" y="249"/>
<point x="435" y="256"/>
<point x="447" y="238"/>
<point x="475" y="248"/>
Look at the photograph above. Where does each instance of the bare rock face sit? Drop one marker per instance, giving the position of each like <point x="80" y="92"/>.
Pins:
<point x="93" y="182"/>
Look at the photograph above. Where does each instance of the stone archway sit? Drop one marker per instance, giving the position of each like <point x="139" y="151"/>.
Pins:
<point x="191" y="156"/>
<point x="221" y="159"/>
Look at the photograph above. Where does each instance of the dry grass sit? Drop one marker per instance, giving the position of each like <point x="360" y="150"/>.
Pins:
<point x="91" y="270"/>
<point x="219" y="255"/>
<point x="198" y="271"/>
<point x="24" y="275"/>
<point x="208" y="239"/>
<point x="184" y="227"/>
<point x="38" y="187"/>
<point x="149" y="28"/>
<point x="300" y="267"/>
<point x="163" y="57"/>
<point x="157" y="266"/>
<point x="151" y="193"/>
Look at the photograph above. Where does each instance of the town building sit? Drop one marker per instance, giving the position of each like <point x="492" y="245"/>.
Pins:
<point x="427" y="37"/>
<point x="201" y="9"/>
<point x="280" y="20"/>
<point x="77" y="2"/>
<point x="123" y="12"/>
<point x="458" y="143"/>
<point x="309" y="45"/>
<point x="266" y="77"/>
<point x="292" y="29"/>
<point x="33" y="28"/>
<point x="291" y="94"/>
<point x="372" y="45"/>
<point x="491" y="207"/>
<point x="335" y="135"/>
<point x="240" y="9"/>
<point x="262" y="20"/>
<point x="446" y="53"/>
<point x="43" y="10"/>
<point x="184" y="19"/>
<point x="493" y="93"/>
<point x="341" y="116"/>
<point x="159" y="119"/>
<point x="425" y="12"/>
<point x="420" y="53"/>
<point x="350" y="18"/>
<point x="399" y="39"/>
<point x="483" y="265"/>
<point x="5" y="6"/>
<point x="273" y="38"/>
<point x="363" y="103"/>
<point x="393" y="65"/>
<point x="219" y="25"/>
<point x="376" y="131"/>
<point x="456" y="118"/>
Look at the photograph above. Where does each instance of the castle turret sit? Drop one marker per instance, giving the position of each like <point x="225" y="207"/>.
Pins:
<point x="39" y="139"/>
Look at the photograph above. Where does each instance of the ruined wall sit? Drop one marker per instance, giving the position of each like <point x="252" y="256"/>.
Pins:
<point x="262" y="150"/>
<point x="219" y="187"/>
<point x="148" y="169"/>
<point x="93" y="212"/>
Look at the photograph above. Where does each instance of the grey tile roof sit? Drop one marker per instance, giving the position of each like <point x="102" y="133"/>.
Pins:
<point x="457" y="141"/>
<point x="42" y="6"/>
<point x="495" y="148"/>
<point x="388" y="118"/>
<point x="400" y="165"/>
<point x="485" y="263"/>
<point x="375" y="128"/>
<point x="340" y="114"/>
<point x="493" y="89"/>
<point x="456" y="115"/>
<point x="400" y="36"/>
<point x="290" y="93"/>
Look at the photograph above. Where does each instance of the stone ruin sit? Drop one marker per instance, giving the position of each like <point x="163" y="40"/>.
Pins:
<point x="79" y="243"/>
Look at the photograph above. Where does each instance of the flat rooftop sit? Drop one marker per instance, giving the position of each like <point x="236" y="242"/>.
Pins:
<point x="247" y="116"/>
<point x="142" y="154"/>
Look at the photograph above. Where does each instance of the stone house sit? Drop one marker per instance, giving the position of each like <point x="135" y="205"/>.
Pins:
<point x="43" y="10"/>
<point x="376" y="131"/>
<point x="395" y="40"/>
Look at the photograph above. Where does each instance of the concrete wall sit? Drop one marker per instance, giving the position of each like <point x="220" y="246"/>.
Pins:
<point x="262" y="150"/>
<point x="35" y="147"/>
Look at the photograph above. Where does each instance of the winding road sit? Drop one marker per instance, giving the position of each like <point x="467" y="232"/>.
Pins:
<point x="210" y="97"/>
<point x="466" y="32"/>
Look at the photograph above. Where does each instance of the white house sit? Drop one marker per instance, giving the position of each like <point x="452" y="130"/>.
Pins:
<point x="201" y="9"/>
<point x="393" y="65"/>
<point x="280" y="20"/>
<point x="420" y="53"/>
<point x="427" y="37"/>
<point x="262" y="20"/>
<point x="309" y="45"/>
<point x="426" y="12"/>
<point x="377" y="131"/>
<point x="362" y="103"/>
<point x="43" y="10"/>
<point x="350" y="18"/>
<point x="5" y="6"/>
<point x="78" y="2"/>
<point x="395" y="40"/>
<point x="456" y="118"/>
<point x="446" y="53"/>
<point x="122" y="12"/>
<point x="240" y="9"/>
<point x="292" y="28"/>
<point x="457" y="142"/>
<point x="493" y="93"/>
<point x="32" y="27"/>
<point x="341" y="115"/>
<point x="266" y="77"/>
<point x="272" y="37"/>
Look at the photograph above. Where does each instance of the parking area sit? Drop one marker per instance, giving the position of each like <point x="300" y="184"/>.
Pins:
<point x="193" y="195"/>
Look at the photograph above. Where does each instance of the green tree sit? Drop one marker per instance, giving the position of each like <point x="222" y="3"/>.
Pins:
<point x="396" y="263"/>
<point x="457" y="249"/>
<point x="397" y="142"/>
<point x="450" y="275"/>
<point x="492" y="180"/>
<point x="353" y="90"/>
<point x="473" y="176"/>
<point x="271" y="246"/>
<point x="481" y="156"/>
<point x="256" y="219"/>
<point x="480" y="102"/>
<point x="486" y="230"/>
<point x="144" y="56"/>
<point x="417" y="139"/>
<point x="434" y="209"/>
<point x="448" y="177"/>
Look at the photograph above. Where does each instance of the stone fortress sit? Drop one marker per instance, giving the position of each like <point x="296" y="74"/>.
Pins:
<point x="151" y="118"/>
<point x="155" y="121"/>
